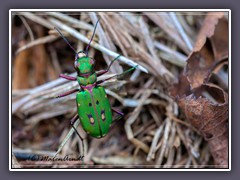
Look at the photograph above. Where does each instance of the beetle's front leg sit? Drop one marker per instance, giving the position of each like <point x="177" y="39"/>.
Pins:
<point x="70" y="78"/>
<point x="117" y="75"/>
<point x="99" y="73"/>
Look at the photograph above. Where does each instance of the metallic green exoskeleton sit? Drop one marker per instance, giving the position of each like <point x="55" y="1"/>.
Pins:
<point x="93" y="106"/>
<point x="94" y="109"/>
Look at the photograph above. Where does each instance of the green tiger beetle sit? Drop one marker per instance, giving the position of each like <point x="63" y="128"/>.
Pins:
<point x="93" y="106"/>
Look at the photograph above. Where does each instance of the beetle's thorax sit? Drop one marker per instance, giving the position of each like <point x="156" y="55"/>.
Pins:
<point x="87" y="80"/>
<point x="84" y="66"/>
<point x="89" y="87"/>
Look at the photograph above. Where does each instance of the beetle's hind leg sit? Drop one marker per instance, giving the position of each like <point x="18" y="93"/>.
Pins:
<point x="120" y="114"/>
<point x="73" y="120"/>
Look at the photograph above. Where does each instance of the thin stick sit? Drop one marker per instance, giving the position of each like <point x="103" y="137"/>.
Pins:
<point x="80" y="24"/>
<point x="27" y="27"/>
<point x="179" y="59"/>
<point x="38" y="41"/>
<point x="36" y="19"/>
<point x="181" y="31"/>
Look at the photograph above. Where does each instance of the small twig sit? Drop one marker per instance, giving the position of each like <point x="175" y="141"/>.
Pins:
<point x="164" y="143"/>
<point x="27" y="27"/>
<point x="149" y="42"/>
<point x="179" y="59"/>
<point x="36" y="19"/>
<point x="38" y="41"/>
<point x="76" y="22"/>
<point x="181" y="30"/>
<point x="154" y="143"/>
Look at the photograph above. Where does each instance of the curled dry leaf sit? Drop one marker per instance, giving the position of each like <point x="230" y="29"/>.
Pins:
<point x="211" y="46"/>
<point x="206" y="108"/>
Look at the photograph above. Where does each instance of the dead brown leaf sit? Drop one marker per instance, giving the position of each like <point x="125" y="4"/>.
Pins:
<point x="21" y="71"/>
<point x="211" y="46"/>
<point x="206" y="108"/>
<point x="39" y="59"/>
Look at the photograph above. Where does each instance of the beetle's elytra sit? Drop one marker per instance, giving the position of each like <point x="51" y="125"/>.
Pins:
<point x="94" y="111"/>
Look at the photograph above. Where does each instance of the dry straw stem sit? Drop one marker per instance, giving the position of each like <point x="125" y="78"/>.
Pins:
<point x="39" y="41"/>
<point x="71" y="20"/>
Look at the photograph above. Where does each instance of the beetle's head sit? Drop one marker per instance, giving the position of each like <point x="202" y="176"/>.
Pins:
<point x="83" y="64"/>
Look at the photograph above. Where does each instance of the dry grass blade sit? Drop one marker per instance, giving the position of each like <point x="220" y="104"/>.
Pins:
<point x="176" y="57"/>
<point x="73" y="21"/>
<point x="39" y="41"/>
<point x="36" y="19"/>
<point x="70" y="133"/>
<point x="181" y="31"/>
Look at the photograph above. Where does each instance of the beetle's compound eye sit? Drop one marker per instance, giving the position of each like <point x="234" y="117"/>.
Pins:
<point x="92" y="61"/>
<point x="76" y="64"/>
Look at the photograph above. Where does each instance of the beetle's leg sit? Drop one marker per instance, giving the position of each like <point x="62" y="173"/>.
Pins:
<point x="99" y="73"/>
<point x="118" y="75"/>
<point x="68" y="77"/>
<point x="73" y="120"/>
<point x="119" y="113"/>
<point x="67" y="93"/>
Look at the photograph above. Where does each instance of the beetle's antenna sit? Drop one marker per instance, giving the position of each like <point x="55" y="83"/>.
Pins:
<point x="65" y="39"/>
<point x="91" y="38"/>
